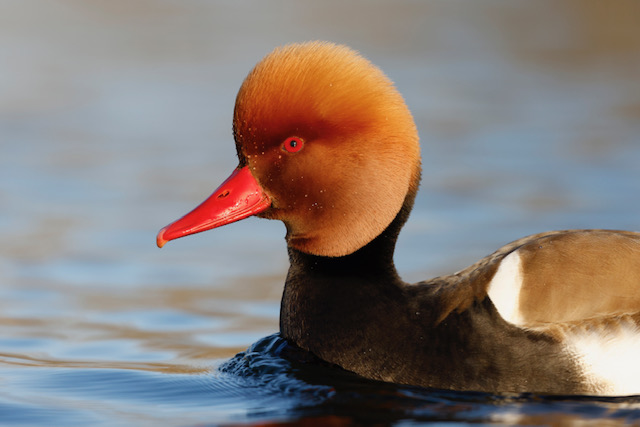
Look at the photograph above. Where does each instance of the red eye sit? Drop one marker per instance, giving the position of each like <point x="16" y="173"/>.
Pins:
<point x="293" y="144"/>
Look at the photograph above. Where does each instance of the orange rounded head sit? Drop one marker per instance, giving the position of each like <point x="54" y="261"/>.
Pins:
<point x="326" y="144"/>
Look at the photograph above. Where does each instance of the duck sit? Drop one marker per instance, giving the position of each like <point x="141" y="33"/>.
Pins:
<point x="327" y="145"/>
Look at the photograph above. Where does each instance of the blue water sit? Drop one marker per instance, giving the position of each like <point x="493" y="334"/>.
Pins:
<point x="273" y="382"/>
<point x="115" y="119"/>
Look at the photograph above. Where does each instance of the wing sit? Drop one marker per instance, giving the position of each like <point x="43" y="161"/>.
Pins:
<point x="581" y="287"/>
<point x="567" y="276"/>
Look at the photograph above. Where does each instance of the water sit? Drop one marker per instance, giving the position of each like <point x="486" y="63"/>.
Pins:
<point x="115" y="119"/>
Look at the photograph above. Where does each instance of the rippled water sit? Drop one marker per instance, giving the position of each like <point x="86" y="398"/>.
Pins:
<point x="115" y="119"/>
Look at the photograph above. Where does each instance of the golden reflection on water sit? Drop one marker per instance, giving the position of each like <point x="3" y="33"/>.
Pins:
<point x="84" y="317"/>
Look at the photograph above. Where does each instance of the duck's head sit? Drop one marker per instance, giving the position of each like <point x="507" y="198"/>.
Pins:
<point x="326" y="144"/>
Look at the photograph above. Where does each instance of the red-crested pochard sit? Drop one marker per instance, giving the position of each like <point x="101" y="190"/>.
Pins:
<point x="327" y="145"/>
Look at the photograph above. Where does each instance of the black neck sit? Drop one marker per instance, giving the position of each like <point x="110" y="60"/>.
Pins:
<point x="373" y="259"/>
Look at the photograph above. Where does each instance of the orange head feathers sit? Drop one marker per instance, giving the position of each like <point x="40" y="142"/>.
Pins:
<point x="331" y="144"/>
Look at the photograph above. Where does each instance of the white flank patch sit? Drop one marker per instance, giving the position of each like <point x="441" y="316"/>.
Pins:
<point x="504" y="288"/>
<point x="610" y="358"/>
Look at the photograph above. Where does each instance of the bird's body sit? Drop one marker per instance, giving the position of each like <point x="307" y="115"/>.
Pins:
<point x="327" y="145"/>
